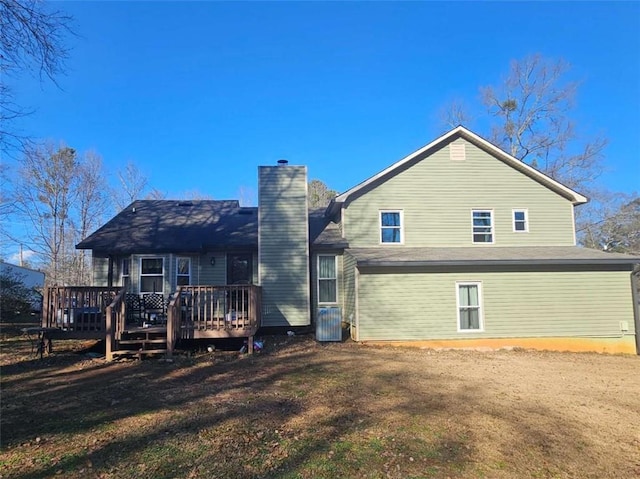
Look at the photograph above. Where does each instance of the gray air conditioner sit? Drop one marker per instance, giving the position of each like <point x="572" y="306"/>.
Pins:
<point x="329" y="324"/>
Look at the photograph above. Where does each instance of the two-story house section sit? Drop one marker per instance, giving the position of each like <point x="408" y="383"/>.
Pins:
<point x="460" y="244"/>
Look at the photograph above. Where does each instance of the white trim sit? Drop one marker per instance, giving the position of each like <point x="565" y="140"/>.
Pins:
<point x="178" y="258"/>
<point x="335" y="266"/>
<point x="573" y="225"/>
<point x="573" y="196"/>
<point x="493" y="226"/>
<point x="307" y="246"/>
<point x="480" y="306"/>
<point x="391" y="210"/>
<point x="526" y="219"/>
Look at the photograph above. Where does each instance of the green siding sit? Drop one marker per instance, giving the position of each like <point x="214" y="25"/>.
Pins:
<point x="437" y="195"/>
<point x="284" y="245"/>
<point x="422" y="305"/>
<point x="204" y="274"/>
<point x="212" y="275"/>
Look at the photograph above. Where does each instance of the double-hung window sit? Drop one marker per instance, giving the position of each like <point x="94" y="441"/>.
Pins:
<point x="469" y="298"/>
<point x="327" y="279"/>
<point x="391" y="228"/>
<point x="520" y="221"/>
<point x="482" y="223"/>
<point x="183" y="271"/>
<point x="151" y="275"/>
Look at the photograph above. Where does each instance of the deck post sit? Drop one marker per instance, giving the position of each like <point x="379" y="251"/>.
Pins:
<point x="45" y="320"/>
<point x="108" y="340"/>
<point x="250" y="344"/>
<point x="170" y="334"/>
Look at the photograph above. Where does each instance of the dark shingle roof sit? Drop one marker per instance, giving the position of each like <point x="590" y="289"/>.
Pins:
<point x="324" y="233"/>
<point x="163" y="226"/>
<point x="490" y="255"/>
<point x="160" y="226"/>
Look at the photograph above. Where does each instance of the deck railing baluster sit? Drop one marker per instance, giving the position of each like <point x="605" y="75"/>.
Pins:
<point x="232" y="308"/>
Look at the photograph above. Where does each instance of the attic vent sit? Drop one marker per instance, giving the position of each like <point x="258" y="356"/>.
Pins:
<point x="457" y="151"/>
<point x="185" y="203"/>
<point x="283" y="162"/>
<point x="245" y="211"/>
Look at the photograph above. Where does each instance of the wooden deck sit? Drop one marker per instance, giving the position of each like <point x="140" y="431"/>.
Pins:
<point x="193" y="312"/>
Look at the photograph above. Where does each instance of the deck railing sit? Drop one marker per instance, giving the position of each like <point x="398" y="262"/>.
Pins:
<point x="193" y="312"/>
<point x="77" y="308"/>
<point x="232" y="308"/>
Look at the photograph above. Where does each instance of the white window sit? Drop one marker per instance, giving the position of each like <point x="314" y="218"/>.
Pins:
<point x="183" y="271"/>
<point x="327" y="279"/>
<point x="520" y="221"/>
<point x="482" y="222"/>
<point x="469" y="298"/>
<point x="391" y="229"/>
<point x="151" y="275"/>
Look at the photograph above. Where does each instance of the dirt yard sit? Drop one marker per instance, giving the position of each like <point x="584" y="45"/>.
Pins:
<point x="300" y="409"/>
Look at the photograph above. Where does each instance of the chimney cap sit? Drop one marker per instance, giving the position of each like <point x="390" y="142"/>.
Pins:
<point x="283" y="162"/>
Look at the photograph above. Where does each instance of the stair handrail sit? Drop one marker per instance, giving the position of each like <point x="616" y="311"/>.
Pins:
<point x="114" y="323"/>
<point x="173" y="320"/>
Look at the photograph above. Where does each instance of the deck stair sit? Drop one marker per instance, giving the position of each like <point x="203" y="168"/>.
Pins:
<point x="139" y="342"/>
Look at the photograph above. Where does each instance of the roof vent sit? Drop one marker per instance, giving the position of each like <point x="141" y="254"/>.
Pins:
<point x="457" y="151"/>
<point x="245" y="211"/>
<point x="283" y="162"/>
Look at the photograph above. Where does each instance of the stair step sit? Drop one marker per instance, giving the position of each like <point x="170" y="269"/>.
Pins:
<point x="142" y="336"/>
<point x="142" y="341"/>
<point x="136" y="352"/>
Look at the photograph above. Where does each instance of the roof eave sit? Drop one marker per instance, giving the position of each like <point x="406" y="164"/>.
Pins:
<point x="505" y="262"/>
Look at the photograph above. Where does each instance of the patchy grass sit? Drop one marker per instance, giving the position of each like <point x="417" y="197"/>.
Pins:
<point x="303" y="410"/>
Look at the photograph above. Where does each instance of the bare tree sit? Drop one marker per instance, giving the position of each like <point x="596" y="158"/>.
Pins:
<point x="90" y="209"/>
<point x="194" y="195"/>
<point x="60" y="196"/>
<point x="6" y="202"/>
<point x="45" y="192"/>
<point x="615" y="225"/>
<point x="455" y="114"/>
<point x="531" y="109"/>
<point x="31" y="40"/>
<point x="131" y="184"/>
<point x="319" y="194"/>
<point x="529" y="112"/>
<point x="246" y="196"/>
<point x="156" y="194"/>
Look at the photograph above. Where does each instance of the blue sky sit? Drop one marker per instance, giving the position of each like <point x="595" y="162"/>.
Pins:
<point x="199" y="94"/>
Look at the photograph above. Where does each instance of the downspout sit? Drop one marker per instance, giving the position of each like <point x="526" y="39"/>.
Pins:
<point x="355" y="335"/>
